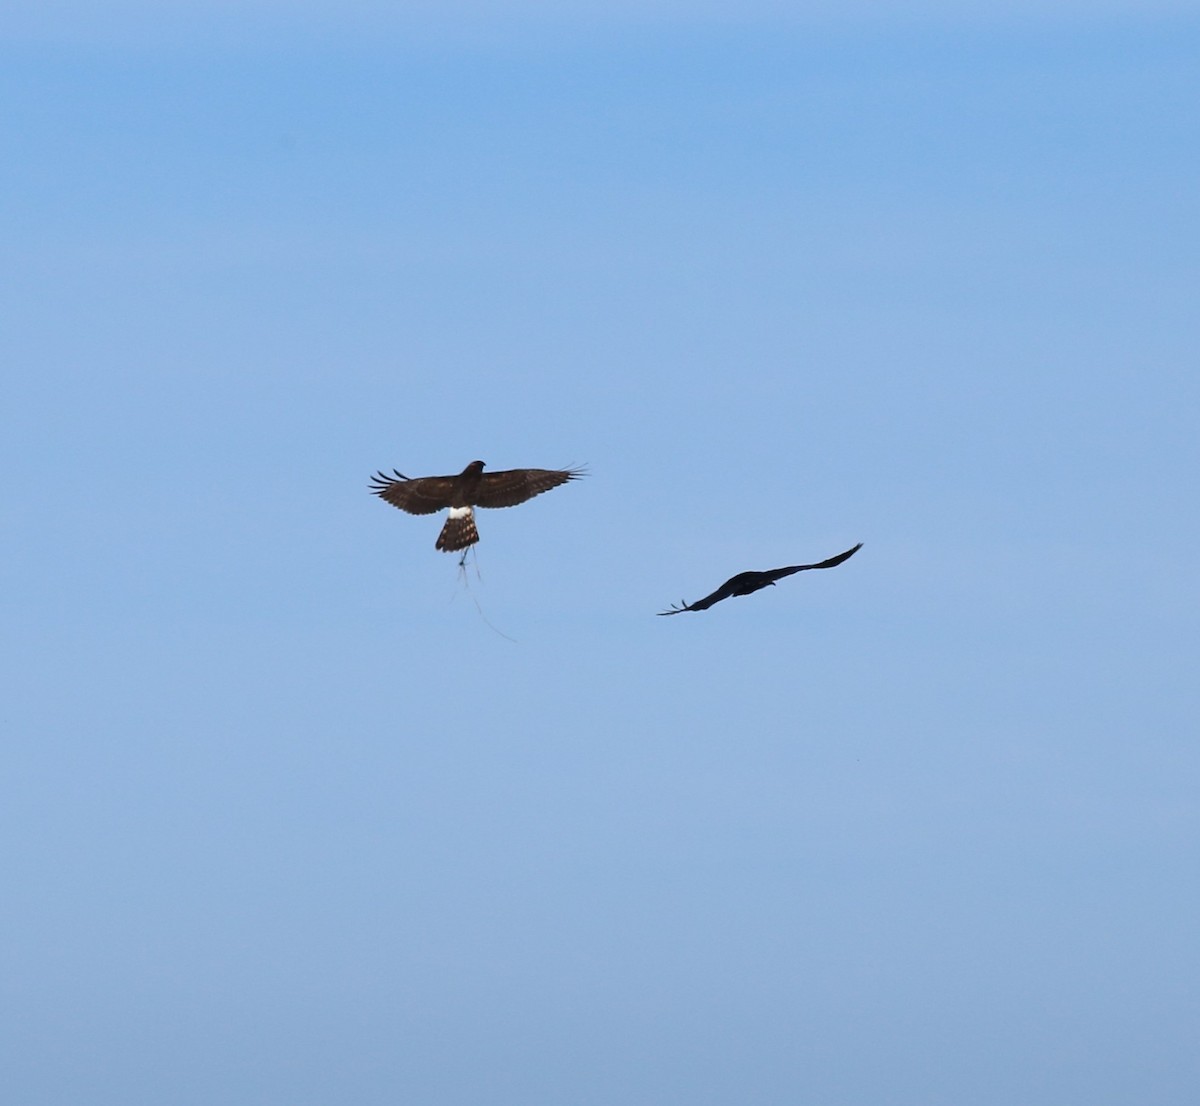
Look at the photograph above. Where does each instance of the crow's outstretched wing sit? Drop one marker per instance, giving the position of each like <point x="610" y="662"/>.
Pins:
<point x="509" y="487"/>
<point x="741" y="584"/>
<point x="779" y="573"/>
<point x="422" y="496"/>
<point x="745" y="583"/>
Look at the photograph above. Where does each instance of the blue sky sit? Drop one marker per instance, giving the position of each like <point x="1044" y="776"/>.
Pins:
<point x="296" y="812"/>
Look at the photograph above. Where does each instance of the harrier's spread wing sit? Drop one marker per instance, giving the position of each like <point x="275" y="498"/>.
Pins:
<point x="512" y="486"/>
<point x="422" y="496"/>
<point x="471" y="488"/>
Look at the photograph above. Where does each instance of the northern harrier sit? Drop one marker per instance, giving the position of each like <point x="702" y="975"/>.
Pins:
<point x="462" y="493"/>
<point x="746" y="582"/>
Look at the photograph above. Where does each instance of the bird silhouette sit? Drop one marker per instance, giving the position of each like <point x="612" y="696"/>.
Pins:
<point x="744" y="583"/>
<point x="471" y="488"/>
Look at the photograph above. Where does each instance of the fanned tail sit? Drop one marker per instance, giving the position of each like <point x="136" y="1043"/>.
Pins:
<point x="459" y="531"/>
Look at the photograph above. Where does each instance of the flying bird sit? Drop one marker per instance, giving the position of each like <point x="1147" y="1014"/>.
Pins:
<point x="471" y="488"/>
<point x="746" y="582"/>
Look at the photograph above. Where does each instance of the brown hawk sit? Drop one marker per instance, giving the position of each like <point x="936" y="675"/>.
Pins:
<point x="744" y="583"/>
<point x="471" y="488"/>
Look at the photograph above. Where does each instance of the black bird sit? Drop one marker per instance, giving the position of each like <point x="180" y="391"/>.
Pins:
<point x="746" y="582"/>
<point x="469" y="489"/>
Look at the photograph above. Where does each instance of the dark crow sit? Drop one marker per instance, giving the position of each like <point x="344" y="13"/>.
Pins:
<point x="462" y="493"/>
<point x="746" y="582"/>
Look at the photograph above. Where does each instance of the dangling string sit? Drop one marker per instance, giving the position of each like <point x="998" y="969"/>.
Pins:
<point x="466" y="583"/>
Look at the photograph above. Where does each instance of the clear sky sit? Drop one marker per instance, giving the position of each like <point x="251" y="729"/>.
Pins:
<point x="295" y="812"/>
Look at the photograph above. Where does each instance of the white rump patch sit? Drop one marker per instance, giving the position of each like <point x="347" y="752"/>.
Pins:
<point x="460" y="512"/>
